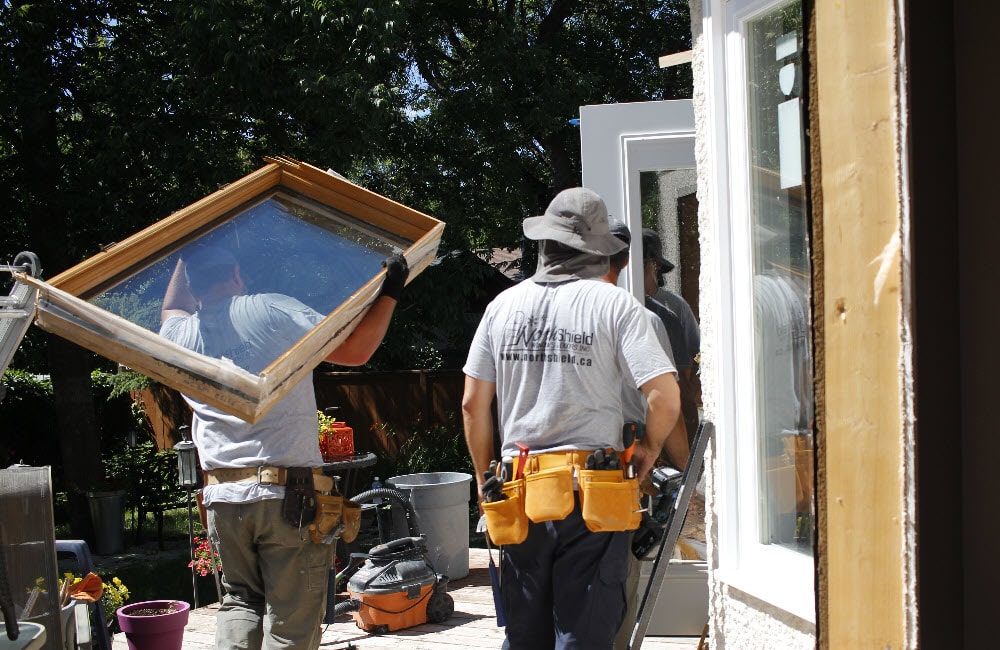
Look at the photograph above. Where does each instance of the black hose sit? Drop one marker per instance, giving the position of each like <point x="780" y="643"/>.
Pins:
<point x="403" y="498"/>
<point x="399" y="496"/>
<point x="346" y="607"/>
<point x="7" y="598"/>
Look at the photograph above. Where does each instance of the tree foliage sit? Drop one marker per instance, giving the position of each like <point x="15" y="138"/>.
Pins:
<point x="114" y="113"/>
<point x="492" y="86"/>
<point x="118" y="112"/>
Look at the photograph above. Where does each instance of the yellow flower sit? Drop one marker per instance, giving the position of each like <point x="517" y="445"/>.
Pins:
<point x="115" y="595"/>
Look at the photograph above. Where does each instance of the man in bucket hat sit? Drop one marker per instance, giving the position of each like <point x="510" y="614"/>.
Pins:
<point x="553" y="351"/>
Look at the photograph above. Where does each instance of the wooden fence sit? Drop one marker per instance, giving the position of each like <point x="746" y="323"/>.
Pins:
<point x="166" y="410"/>
<point x="383" y="408"/>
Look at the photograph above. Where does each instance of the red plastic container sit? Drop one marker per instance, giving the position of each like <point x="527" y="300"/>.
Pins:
<point x="337" y="442"/>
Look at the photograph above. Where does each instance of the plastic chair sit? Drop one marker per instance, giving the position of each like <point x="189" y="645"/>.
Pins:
<point x="79" y="549"/>
<point x="31" y="637"/>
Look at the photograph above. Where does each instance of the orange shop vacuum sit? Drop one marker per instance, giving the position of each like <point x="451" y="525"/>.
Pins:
<point x="396" y="587"/>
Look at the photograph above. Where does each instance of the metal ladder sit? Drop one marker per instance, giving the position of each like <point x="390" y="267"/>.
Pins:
<point x="17" y="310"/>
<point x="675" y="520"/>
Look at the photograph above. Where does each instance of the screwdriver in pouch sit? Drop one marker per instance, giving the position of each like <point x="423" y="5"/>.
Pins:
<point x="507" y="469"/>
<point x="629" y="435"/>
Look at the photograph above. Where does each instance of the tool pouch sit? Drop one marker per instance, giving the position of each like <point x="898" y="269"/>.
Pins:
<point x="299" y="507"/>
<point x="506" y="522"/>
<point x="548" y="494"/>
<point x="609" y="501"/>
<point x="351" y="518"/>
<point x="328" y="510"/>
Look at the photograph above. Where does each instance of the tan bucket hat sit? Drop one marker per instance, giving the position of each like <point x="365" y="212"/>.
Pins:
<point x="578" y="218"/>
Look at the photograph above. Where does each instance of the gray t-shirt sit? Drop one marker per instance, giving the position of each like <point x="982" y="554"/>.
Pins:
<point x="633" y="400"/>
<point x="559" y="354"/>
<point x="251" y="331"/>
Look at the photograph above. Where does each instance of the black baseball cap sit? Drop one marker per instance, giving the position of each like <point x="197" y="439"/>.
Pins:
<point x="621" y="231"/>
<point x="652" y="249"/>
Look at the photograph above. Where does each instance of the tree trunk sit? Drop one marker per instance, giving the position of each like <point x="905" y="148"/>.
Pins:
<point x="40" y="164"/>
<point x="564" y="173"/>
<point x="77" y="428"/>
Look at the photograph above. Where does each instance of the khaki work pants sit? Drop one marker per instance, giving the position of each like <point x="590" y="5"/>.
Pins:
<point x="276" y="582"/>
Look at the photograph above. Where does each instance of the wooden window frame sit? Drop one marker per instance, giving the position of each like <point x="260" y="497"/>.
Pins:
<point x="62" y="306"/>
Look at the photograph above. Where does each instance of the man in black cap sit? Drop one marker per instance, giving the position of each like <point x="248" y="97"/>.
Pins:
<point x="685" y="335"/>
<point x="668" y="328"/>
<point x="634" y="410"/>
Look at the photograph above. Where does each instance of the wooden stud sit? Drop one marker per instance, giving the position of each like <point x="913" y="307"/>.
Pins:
<point x="862" y="509"/>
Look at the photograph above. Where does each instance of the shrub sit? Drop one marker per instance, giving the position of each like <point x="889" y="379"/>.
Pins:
<point x="435" y="447"/>
<point x="28" y="417"/>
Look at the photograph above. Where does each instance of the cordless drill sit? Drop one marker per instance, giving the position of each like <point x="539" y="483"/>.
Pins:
<point x="667" y="483"/>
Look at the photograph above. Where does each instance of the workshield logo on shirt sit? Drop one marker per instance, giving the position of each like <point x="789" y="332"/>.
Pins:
<point x="528" y="338"/>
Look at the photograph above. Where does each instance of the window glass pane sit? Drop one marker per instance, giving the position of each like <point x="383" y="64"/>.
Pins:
<point x="781" y="286"/>
<point x="670" y="206"/>
<point x="283" y="243"/>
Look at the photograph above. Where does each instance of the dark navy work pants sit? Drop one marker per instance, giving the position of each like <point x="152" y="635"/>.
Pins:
<point x="564" y="587"/>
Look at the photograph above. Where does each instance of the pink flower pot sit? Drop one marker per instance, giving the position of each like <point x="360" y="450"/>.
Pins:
<point x="157" y="631"/>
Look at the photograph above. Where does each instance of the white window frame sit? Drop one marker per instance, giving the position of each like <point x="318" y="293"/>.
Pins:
<point x="659" y="152"/>
<point x="774" y="574"/>
<point x="617" y="142"/>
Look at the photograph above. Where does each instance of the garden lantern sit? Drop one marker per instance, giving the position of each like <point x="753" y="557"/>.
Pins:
<point x="187" y="470"/>
<point x="187" y="459"/>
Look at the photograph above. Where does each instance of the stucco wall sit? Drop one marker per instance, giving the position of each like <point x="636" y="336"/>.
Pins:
<point x="736" y="619"/>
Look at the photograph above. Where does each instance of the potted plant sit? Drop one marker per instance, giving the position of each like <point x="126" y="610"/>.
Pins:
<point x="336" y="439"/>
<point x="206" y="558"/>
<point x="154" y="624"/>
<point x="110" y="592"/>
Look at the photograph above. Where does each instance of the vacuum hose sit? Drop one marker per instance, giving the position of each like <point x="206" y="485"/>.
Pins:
<point x="399" y="496"/>
<point x="346" y="607"/>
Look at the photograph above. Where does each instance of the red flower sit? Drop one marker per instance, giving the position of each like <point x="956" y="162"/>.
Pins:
<point x="205" y="559"/>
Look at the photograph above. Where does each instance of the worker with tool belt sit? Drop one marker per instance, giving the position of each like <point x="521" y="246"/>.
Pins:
<point x="269" y="509"/>
<point x="554" y="351"/>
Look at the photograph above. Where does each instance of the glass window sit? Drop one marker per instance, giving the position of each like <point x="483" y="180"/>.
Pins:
<point x="285" y="244"/>
<point x="304" y="246"/>
<point x="781" y="278"/>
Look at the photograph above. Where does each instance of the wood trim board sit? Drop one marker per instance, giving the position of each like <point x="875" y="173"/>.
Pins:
<point x="861" y="472"/>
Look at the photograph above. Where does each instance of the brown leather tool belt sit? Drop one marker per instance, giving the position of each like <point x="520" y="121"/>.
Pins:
<point x="265" y="475"/>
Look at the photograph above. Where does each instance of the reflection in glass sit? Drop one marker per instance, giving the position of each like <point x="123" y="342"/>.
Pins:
<point x="669" y="206"/>
<point x="284" y="244"/>
<point x="781" y="286"/>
